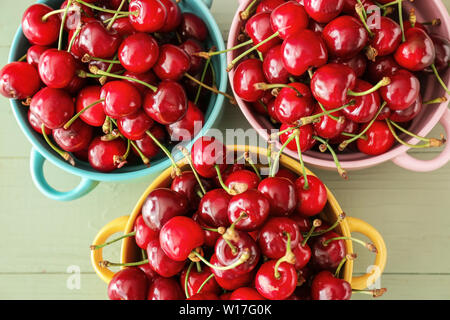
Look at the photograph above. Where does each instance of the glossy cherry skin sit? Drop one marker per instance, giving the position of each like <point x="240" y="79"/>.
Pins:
<point x="350" y="127"/>
<point x="349" y="5"/>
<point x="281" y="194"/>
<point x="135" y="125"/>
<point x="326" y="127"/>
<point x="255" y="205"/>
<point x="34" y="54"/>
<point x="242" y="180"/>
<point x="94" y="116"/>
<point x="147" y="77"/>
<point x="179" y="236"/>
<point x="189" y="125"/>
<point x="213" y="208"/>
<point x="407" y="114"/>
<point x="259" y="28"/>
<point x="74" y="18"/>
<point x="379" y="139"/>
<point x="246" y="293"/>
<point x="165" y="289"/>
<point x="417" y="52"/>
<point x="76" y="138"/>
<point x="358" y="63"/>
<point x="151" y="17"/>
<point x="193" y="27"/>
<point x="191" y="46"/>
<point x="402" y="91"/>
<point x="53" y="106"/>
<point x="168" y="104"/>
<point x="147" y="146"/>
<point x="162" y="205"/>
<point x="272" y="288"/>
<point x="36" y="123"/>
<point x="331" y="83"/>
<point x="387" y="35"/>
<point x="273" y="67"/>
<point x="121" y="99"/>
<point x="247" y="74"/>
<point x="204" y="296"/>
<point x="442" y="47"/>
<point x="122" y="26"/>
<point x="172" y="64"/>
<point x="229" y="279"/>
<point x="323" y="11"/>
<point x="229" y="170"/>
<point x="345" y="37"/>
<point x="206" y="153"/>
<point x="303" y="222"/>
<point x="138" y="53"/>
<point x="311" y="201"/>
<point x="40" y="32"/>
<point x="196" y="279"/>
<point x="326" y="287"/>
<point x="102" y="153"/>
<point x="128" y="284"/>
<point x="272" y="237"/>
<point x="305" y="138"/>
<point x="211" y="237"/>
<point x="187" y="184"/>
<point x="268" y="5"/>
<point x="327" y="257"/>
<point x="303" y="50"/>
<point x="19" y="80"/>
<point x="382" y="67"/>
<point x="56" y="68"/>
<point x="286" y="173"/>
<point x="143" y="234"/>
<point x="151" y="275"/>
<point x="290" y="106"/>
<point x="288" y="18"/>
<point x="98" y="42"/>
<point x="302" y="255"/>
<point x="365" y="107"/>
<point x="173" y="18"/>
<point x="160" y="262"/>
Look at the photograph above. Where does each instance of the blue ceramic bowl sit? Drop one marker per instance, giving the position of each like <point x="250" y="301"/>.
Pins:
<point x="89" y="177"/>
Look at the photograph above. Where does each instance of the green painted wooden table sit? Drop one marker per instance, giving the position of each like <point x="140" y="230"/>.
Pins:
<point x="42" y="241"/>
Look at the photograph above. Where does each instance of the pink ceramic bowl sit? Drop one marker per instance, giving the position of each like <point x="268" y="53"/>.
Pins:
<point x="422" y="124"/>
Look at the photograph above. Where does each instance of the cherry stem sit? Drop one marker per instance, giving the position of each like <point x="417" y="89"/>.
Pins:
<point x="437" y="100"/>
<point x="302" y="164"/>
<point x="242" y="259"/>
<point x="95" y="70"/>
<point x="249" y="160"/>
<point x="230" y="234"/>
<point x="376" y="293"/>
<point x="348" y="134"/>
<point x="120" y="161"/>
<point x="65" y="155"/>
<point x="327" y="112"/>
<point x="189" y="160"/>
<point x="269" y="86"/>
<point x="75" y="117"/>
<point x="99" y="246"/>
<point x="332" y="227"/>
<point x="106" y="264"/>
<point x="369" y="246"/>
<point x="107" y="126"/>
<point x="244" y="15"/>
<point x="222" y="184"/>
<point x="199" y="266"/>
<point x="363" y="10"/>
<point x="407" y="132"/>
<point x="277" y="157"/>
<point x="310" y="119"/>
<point x="359" y="8"/>
<point x="219" y="230"/>
<point x="383" y="82"/>
<point x="412" y="17"/>
<point x="186" y="279"/>
<point x="438" y="77"/>
<point x="430" y="143"/>
<point x="202" y="78"/>
<point x="209" y="54"/>
<point x="63" y="23"/>
<point x="113" y="135"/>
<point x="384" y="6"/>
<point x="23" y="58"/>
<point x="235" y="60"/>
<point x="166" y="151"/>
<point x="348" y="257"/>
<point x="94" y="7"/>
<point x="232" y="100"/>
<point x="74" y="36"/>
<point x="205" y="282"/>
<point x="316" y="223"/>
<point x="288" y="257"/>
<point x="118" y="17"/>
<point x="345" y="143"/>
<point x="87" y="58"/>
<point x="122" y="3"/>
<point x="342" y="172"/>
<point x="400" y="19"/>
<point x="434" y="22"/>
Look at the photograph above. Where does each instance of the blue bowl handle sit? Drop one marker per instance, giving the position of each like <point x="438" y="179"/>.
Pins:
<point x="37" y="173"/>
<point x="208" y="3"/>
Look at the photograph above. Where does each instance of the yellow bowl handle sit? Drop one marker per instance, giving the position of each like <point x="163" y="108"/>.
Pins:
<point x="117" y="225"/>
<point x="360" y="226"/>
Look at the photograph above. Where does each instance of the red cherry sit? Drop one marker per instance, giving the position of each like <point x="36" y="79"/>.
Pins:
<point x="143" y="234"/>
<point x="379" y="139"/>
<point x="53" y="106"/>
<point x="165" y="289"/>
<point x="192" y="46"/>
<point x="147" y="145"/>
<point x="349" y="5"/>
<point x="281" y="194"/>
<point x="365" y="107"/>
<point x="103" y="154"/>
<point x="36" y="123"/>
<point x="168" y="104"/>
<point x="151" y="275"/>
<point x="326" y="127"/>
<point x="147" y="77"/>
<point x="189" y="126"/>
<point x="303" y="222"/>
<point x="302" y="255"/>
<point x="135" y="125"/>
<point x="323" y="11"/>
<point x="312" y="200"/>
<point x="254" y="204"/>
<point x="387" y="35"/>
<point x="123" y="27"/>
<point x="290" y="105"/>
<point x="187" y="184"/>
<point x="268" y="5"/>
<point x="160" y="262"/>
<point x="75" y="17"/>
<point x="273" y="67"/>
<point x="288" y="18"/>
<point x="121" y="99"/>
<point x="206" y="153"/>
<point x="358" y="63"/>
<point x="19" y="80"/>
<point x="286" y="173"/>
<point x="402" y="91"/>
<point x="151" y="15"/>
<point x="162" y="205"/>
<point x="179" y="236"/>
<point x="76" y="138"/>
<point x="246" y="293"/>
<point x="57" y="68"/>
<point x="247" y="74"/>
<point x="173" y="63"/>
<point x="98" y="42"/>
<point x="242" y="180"/>
<point x="211" y="237"/>
<point x="302" y="51"/>
<point x="345" y="37"/>
<point x="138" y="53"/>
<point x="128" y="284"/>
<point x="39" y="31"/>
<point x="407" y="114"/>
<point x="259" y="28"/>
<point x="326" y="287"/>
<point x="173" y="19"/>
<point x="306" y="134"/>
<point x="34" y="54"/>
<point x="350" y="127"/>
<point x="94" y="116"/>
<point x="229" y="170"/>
<point x="229" y="279"/>
<point x="193" y="27"/>
<point x="442" y="46"/>
<point x="382" y="67"/>
<point x="417" y="52"/>
<point x="213" y="208"/>
<point x="204" y="296"/>
<point x="273" y="288"/>
<point x="327" y="257"/>
<point x="272" y="237"/>
<point x="196" y="279"/>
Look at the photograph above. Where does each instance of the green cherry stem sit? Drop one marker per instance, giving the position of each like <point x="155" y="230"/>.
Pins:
<point x="99" y="246"/>
<point x="144" y="158"/>
<point x="244" y="15"/>
<point x="202" y="78"/>
<point x="23" y="58"/>
<point x="433" y="101"/>
<point x="342" y="172"/>
<point x="75" y="117"/>
<point x="106" y="264"/>
<point x="63" y="23"/>
<point x="74" y="36"/>
<point x="332" y="227"/>
<point x="209" y="54"/>
<point x="214" y="90"/>
<point x="430" y="143"/>
<point x="242" y="259"/>
<point x="166" y="151"/>
<point x="310" y="119"/>
<point x="113" y="19"/>
<point x="400" y="19"/>
<point x="348" y="257"/>
<point x="222" y="184"/>
<point x="374" y="293"/>
<point x="189" y="160"/>
<point x="94" y="7"/>
<point x="369" y="246"/>
<point x="87" y="58"/>
<point x="383" y="82"/>
<point x="325" y="111"/>
<point x="359" y="8"/>
<point x="186" y="279"/>
<point x="278" y="155"/>
<point x="316" y="223"/>
<point x="270" y="86"/>
<point x="205" y="282"/>
<point x="288" y="257"/>
<point x="249" y="160"/>
<point x="439" y="79"/>
<point x="231" y="234"/>
<point x="65" y="155"/>
<point x="302" y="164"/>
<point x="96" y="71"/>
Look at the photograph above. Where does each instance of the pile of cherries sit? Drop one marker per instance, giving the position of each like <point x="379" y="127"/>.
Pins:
<point x="223" y="231"/>
<point x="104" y="77"/>
<point x="337" y="72"/>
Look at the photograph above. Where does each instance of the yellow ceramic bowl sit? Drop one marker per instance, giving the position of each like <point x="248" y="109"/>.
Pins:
<point x="130" y="252"/>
